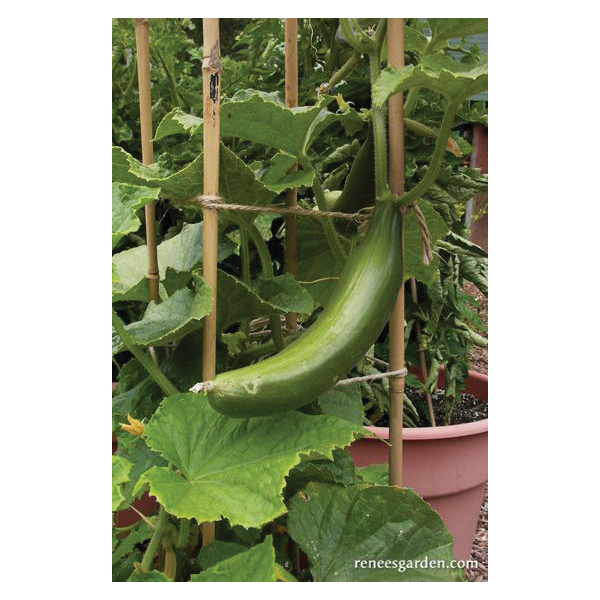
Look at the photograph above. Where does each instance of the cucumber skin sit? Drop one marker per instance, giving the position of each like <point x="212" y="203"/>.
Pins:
<point x="353" y="319"/>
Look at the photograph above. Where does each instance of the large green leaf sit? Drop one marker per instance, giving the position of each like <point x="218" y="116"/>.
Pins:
<point x="251" y="116"/>
<point x="345" y="402"/>
<point x="444" y="29"/>
<point x="316" y="268"/>
<point x="339" y="470"/>
<point x="237" y="182"/>
<point x="136" y="393"/>
<point x="122" y="546"/>
<point x="126" y="201"/>
<point x="237" y="301"/>
<point x="120" y="475"/>
<point x="338" y="527"/>
<point x="285" y="294"/>
<point x="177" y="122"/>
<point x="181" y="253"/>
<point x="135" y="450"/>
<point x="208" y="556"/>
<point x="413" y="245"/>
<point x="437" y="72"/>
<point x="177" y="258"/>
<point x="256" y="564"/>
<point x="231" y="467"/>
<point x="174" y="318"/>
<point x="278" y="177"/>
<point x="414" y="40"/>
<point x="377" y="474"/>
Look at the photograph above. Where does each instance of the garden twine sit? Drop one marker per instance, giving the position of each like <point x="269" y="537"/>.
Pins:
<point x="216" y="203"/>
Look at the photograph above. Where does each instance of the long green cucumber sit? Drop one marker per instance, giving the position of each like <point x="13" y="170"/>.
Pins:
<point x="355" y="315"/>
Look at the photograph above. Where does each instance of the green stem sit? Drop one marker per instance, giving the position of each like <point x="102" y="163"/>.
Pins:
<point x="436" y="158"/>
<point x="360" y="45"/>
<point x="245" y="255"/>
<point x="133" y="76"/>
<point x="344" y="70"/>
<point x="379" y="132"/>
<point x="267" y="270"/>
<point x="155" y="540"/>
<point x="411" y="101"/>
<point x="154" y="371"/>
<point x="184" y="533"/>
<point x="330" y="233"/>
<point x="253" y="353"/>
<point x="170" y="78"/>
<point x="420" y="128"/>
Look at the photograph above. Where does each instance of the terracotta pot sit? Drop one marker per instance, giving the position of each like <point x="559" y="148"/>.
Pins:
<point x="145" y="504"/>
<point x="445" y="465"/>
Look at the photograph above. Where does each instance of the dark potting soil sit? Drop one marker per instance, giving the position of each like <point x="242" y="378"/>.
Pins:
<point x="468" y="410"/>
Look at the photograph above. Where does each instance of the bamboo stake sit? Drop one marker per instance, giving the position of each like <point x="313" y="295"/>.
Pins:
<point x="422" y="362"/>
<point x="142" y="27"/>
<point x="211" y="85"/>
<point x="291" y="198"/>
<point x="396" y="173"/>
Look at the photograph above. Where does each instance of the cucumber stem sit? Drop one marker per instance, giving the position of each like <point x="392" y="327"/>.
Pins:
<point x="267" y="270"/>
<point x="153" y="370"/>
<point x="436" y="158"/>
<point x="155" y="540"/>
<point x="184" y="533"/>
<point x="332" y="238"/>
<point x="379" y="132"/>
<point x="245" y="255"/>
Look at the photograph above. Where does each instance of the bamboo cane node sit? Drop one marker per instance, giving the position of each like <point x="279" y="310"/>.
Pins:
<point x="212" y="62"/>
<point x="141" y="21"/>
<point x="152" y="275"/>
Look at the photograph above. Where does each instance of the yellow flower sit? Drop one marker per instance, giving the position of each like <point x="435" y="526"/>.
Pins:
<point x="135" y="427"/>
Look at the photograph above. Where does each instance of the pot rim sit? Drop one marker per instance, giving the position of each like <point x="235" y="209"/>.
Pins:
<point x="437" y="433"/>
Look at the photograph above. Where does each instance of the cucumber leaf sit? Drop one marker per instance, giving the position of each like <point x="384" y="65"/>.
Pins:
<point x="345" y="402"/>
<point x="340" y="470"/>
<point x="174" y="318"/>
<point x="120" y="475"/>
<point x="251" y="116"/>
<point x="237" y="182"/>
<point x="339" y="526"/>
<point x="285" y="294"/>
<point x="316" y="267"/>
<point x="277" y="176"/>
<point x="437" y="72"/>
<point x="444" y="29"/>
<point x="376" y="474"/>
<point x="126" y="201"/>
<point x="178" y="122"/>
<point x="233" y="468"/>
<point x="256" y="564"/>
<point x="208" y="556"/>
<point x="413" y="245"/>
<point x="177" y="258"/>
<point x="134" y="449"/>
